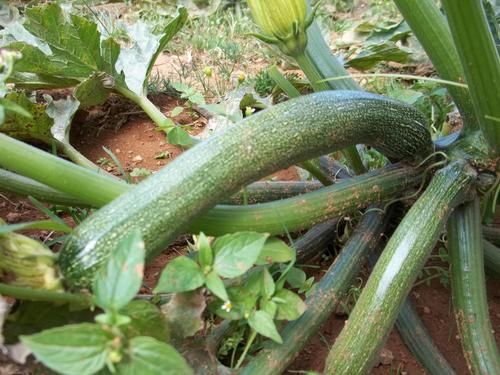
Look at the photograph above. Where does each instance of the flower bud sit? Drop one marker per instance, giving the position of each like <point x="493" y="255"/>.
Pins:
<point x="282" y="22"/>
<point x="28" y="263"/>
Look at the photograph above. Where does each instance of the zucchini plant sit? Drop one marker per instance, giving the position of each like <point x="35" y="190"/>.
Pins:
<point x="452" y="189"/>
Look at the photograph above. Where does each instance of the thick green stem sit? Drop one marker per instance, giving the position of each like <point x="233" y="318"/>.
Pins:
<point x="274" y="359"/>
<point x="469" y="289"/>
<point x="415" y="336"/>
<point x="45" y="295"/>
<point x="373" y="317"/>
<point x="325" y="63"/>
<point x="306" y="210"/>
<point x="23" y="186"/>
<point x="147" y="106"/>
<point x="307" y="66"/>
<point x="480" y="61"/>
<point x="492" y="234"/>
<point x="89" y="186"/>
<point x="491" y="259"/>
<point x="432" y="31"/>
<point x="257" y="192"/>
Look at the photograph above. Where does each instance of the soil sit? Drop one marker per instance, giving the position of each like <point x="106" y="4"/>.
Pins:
<point x="136" y="143"/>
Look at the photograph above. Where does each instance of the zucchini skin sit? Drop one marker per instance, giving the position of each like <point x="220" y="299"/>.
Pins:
<point x="162" y="206"/>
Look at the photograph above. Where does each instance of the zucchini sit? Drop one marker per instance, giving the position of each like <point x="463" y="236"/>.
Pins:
<point x="163" y="205"/>
<point x="356" y="348"/>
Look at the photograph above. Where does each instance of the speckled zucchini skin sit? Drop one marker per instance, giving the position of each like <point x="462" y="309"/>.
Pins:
<point x="164" y="204"/>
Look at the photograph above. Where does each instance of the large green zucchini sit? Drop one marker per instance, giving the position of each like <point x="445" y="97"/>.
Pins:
<point x="164" y="204"/>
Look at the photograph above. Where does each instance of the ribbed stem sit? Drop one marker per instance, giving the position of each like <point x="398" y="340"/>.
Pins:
<point x="89" y="186"/>
<point x="306" y="210"/>
<point x="491" y="259"/>
<point x="480" y="61"/>
<point x="492" y="234"/>
<point x="373" y="317"/>
<point x="307" y="66"/>
<point x="416" y="337"/>
<point x="432" y="31"/>
<point x="469" y="290"/>
<point x="44" y="295"/>
<point x="274" y="359"/>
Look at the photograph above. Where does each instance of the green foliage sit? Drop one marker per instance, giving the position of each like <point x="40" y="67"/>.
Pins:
<point x="129" y="337"/>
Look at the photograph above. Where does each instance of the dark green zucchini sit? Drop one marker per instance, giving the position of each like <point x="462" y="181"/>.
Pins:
<point x="163" y="205"/>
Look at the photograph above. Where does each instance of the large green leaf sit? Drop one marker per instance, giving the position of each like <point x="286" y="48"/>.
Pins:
<point x="152" y="357"/>
<point x="375" y="53"/>
<point x="78" y="349"/>
<point x="67" y="49"/>
<point x="119" y="280"/>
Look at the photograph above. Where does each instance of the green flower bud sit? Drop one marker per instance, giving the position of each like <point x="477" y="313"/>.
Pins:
<point x="283" y="22"/>
<point x="28" y="263"/>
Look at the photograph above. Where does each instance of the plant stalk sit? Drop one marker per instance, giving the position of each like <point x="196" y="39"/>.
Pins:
<point x="45" y="295"/>
<point x="147" y="106"/>
<point x="480" y="61"/>
<point x="432" y="31"/>
<point x="491" y="259"/>
<point x="359" y="343"/>
<point x="469" y="289"/>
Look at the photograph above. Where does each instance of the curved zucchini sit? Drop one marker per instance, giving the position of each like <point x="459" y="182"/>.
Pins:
<point x="163" y="205"/>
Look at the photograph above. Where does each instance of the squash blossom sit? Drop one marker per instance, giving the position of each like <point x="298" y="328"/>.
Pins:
<point x="28" y="263"/>
<point x="282" y="22"/>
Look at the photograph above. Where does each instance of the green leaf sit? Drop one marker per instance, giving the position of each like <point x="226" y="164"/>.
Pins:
<point x="205" y="252"/>
<point x="61" y="50"/>
<point x="268" y="286"/>
<point x="243" y="302"/>
<point x="275" y="251"/>
<point x="92" y="91"/>
<point x="290" y="305"/>
<point x="216" y="286"/>
<point x="184" y="313"/>
<point x="119" y="280"/>
<point x="236" y="253"/>
<point x="269" y="307"/>
<point x="180" y="137"/>
<point x="28" y="129"/>
<point x="180" y="275"/>
<point x="148" y="356"/>
<point x="376" y="53"/>
<point x="147" y="320"/>
<point x="296" y="277"/>
<point x="263" y="324"/>
<point x="32" y="317"/>
<point x="78" y="349"/>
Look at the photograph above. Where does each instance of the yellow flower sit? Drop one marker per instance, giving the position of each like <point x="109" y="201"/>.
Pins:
<point x="276" y="17"/>
<point x="282" y="22"/>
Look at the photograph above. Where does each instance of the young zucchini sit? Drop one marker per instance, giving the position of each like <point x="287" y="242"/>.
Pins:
<point x="162" y="206"/>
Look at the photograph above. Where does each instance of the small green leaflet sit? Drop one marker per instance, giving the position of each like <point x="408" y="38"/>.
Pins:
<point x="146" y="320"/>
<point x="237" y="253"/>
<point x="263" y="324"/>
<point x="152" y="357"/>
<point x="78" y="349"/>
<point x="119" y="280"/>
<point x="180" y="275"/>
<point x="275" y="251"/>
<point x="216" y="285"/>
<point x="290" y="305"/>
